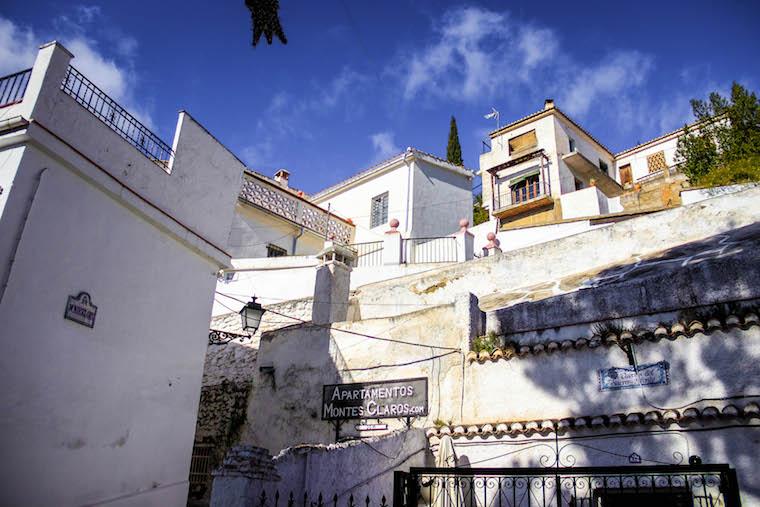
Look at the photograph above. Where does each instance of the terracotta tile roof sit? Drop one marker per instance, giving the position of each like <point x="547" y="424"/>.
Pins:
<point x="677" y="330"/>
<point x="750" y="410"/>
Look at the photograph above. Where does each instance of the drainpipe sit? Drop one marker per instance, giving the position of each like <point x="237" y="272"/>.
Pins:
<point x="17" y="239"/>
<point x="296" y="238"/>
<point x="409" y="216"/>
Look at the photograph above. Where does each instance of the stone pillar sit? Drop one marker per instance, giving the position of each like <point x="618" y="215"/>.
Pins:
<point x="331" y="288"/>
<point x="245" y="473"/>
<point x="465" y="242"/>
<point x="392" y="244"/>
<point x="492" y="248"/>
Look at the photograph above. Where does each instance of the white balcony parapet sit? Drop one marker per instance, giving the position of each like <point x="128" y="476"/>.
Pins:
<point x="295" y="209"/>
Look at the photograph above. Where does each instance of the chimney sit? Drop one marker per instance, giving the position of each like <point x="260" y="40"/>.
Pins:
<point x="332" y="283"/>
<point x="548" y="104"/>
<point x="281" y="177"/>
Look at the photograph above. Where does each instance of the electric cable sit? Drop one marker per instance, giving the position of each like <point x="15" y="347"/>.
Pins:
<point x="347" y="331"/>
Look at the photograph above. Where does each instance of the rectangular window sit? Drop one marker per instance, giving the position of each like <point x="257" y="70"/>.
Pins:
<point x="526" y="189"/>
<point x="379" y="211"/>
<point x="579" y="184"/>
<point x="626" y="175"/>
<point x="603" y="167"/>
<point x="523" y="142"/>
<point x="656" y="162"/>
<point x="571" y="144"/>
<point x="276" y="251"/>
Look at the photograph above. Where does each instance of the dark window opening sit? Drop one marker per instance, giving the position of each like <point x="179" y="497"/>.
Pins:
<point x="276" y="251"/>
<point x="603" y="167"/>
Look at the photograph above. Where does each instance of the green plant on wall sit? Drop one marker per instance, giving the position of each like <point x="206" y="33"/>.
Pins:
<point x="488" y="342"/>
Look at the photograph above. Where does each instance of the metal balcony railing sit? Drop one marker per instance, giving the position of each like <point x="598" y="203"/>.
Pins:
<point x="521" y="194"/>
<point x="368" y="254"/>
<point x="118" y="119"/>
<point x="13" y="87"/>
<point x="422" y="250"/>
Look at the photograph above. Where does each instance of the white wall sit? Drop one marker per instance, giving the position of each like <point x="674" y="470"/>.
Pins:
<point x="441" y="198"/>
<point x="86" y="409"/>
<point x="564" y="130"/>
<point x="355" y="202"/>
<point x="700" y="194"/>
<point x="254" y="229"/>
<point x="638" y="157"/>
<point x="587" y="202"/>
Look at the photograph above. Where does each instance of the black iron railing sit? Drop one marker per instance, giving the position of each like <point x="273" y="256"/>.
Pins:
<point x="675" y="485"/>
<point x="116" y="117"/>
<point x="422" y="250"/>
<point x="13" y="87"/>
<point x="368" y="254"/>
<point x="317" y="500"/>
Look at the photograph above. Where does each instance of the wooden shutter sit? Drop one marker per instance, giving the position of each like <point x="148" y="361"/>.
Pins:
<point x="626" y="175"/>
<point x="523" y="142"/>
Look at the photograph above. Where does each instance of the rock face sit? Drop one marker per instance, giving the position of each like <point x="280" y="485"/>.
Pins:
<point x="248" y="461"/>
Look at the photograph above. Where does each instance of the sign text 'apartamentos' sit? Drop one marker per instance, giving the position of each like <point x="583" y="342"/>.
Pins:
<point x="375" y="400"/>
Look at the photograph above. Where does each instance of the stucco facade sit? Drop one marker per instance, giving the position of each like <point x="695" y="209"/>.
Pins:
<point x="678" y="290"/>
<point x="103" y="412"/>
<point x="427" y="195"/>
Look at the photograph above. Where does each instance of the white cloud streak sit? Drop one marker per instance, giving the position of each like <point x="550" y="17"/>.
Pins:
<point x="384" y="145"/>
<point x="18" y="49"/>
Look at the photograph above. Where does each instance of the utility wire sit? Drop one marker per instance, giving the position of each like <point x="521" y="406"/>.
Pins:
<point x="355" y="333"/>
<point x="377" y="367"/>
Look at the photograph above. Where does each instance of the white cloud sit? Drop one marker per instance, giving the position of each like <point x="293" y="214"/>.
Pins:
<point x="476" y="52"/>
<point x="609" y="80"/>
<point x="18" y="49"/>
<point x="384" y="145"/>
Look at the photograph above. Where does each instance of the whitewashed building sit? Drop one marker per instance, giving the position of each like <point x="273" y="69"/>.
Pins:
<point x="546" y="177"/>
<point x="110" y="244"/>
<point x="277" y="230"/>
<point x="548" y="380"/>
<point x="426" y="194"/>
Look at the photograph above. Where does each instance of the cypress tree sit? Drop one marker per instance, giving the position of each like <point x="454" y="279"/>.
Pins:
<point x="454" y="150"/>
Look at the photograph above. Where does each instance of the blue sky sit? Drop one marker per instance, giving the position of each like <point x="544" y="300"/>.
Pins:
<point x="360" y="80"/>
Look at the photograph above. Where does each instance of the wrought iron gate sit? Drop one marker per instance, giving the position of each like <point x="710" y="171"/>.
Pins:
<point x="652" y="486"/>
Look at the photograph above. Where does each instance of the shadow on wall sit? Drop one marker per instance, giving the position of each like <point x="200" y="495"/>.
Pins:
<point x="713" y="369"/>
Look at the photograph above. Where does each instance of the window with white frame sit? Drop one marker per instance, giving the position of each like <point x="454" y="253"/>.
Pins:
<point x="379" y="211"/>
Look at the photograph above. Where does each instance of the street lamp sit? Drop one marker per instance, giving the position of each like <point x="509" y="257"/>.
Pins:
<point x="251" y="314"/>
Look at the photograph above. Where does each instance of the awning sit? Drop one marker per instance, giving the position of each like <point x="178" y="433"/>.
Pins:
<point x="524" y="175"/>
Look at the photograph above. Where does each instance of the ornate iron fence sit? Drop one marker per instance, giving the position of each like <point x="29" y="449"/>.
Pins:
<point x="317" y="500"/>
<point x="672" y="485"/>
<point x="421" y="250"/>
<point x="116" y="117"/>
<point x="368" y="254"/>
<point x="13" y="87"/>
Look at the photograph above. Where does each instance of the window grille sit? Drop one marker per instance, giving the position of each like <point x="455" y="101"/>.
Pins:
<point x="379" y="213"/>
<point x="656" y="162"/>
<point x="603" y="167"/>
<point x="276" y="251"/>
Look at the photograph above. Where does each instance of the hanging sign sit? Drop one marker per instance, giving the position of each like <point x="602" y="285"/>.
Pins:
<point x="628" y="377"/>
<point x="81" y="310"/>
<point x="375" y="400"/>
